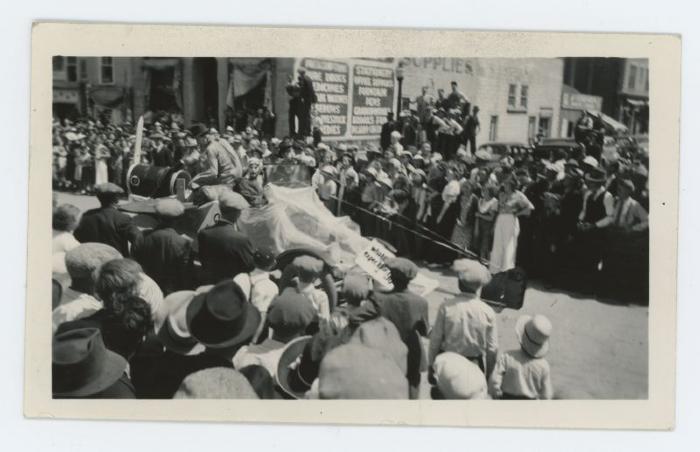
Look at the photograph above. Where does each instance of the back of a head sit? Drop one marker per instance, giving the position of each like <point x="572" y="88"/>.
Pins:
<point x="355" y="371"/>
<point x="118" y="277"/>
<point x="83" y="260"/>
<point x="131" y="321"/>
<point x="381" y="334"/>
<point x="65" y="218"/>
<point x="355" y="288"/>
<point x="471" y="275"/>
<point x="215" y="383"/>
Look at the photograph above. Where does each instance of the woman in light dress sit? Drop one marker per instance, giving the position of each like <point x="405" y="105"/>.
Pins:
<point x="102" y="155"/>
<point x="512" y="204"/>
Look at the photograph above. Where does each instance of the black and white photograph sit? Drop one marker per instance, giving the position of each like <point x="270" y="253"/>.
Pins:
<point x="252" y="227"/>
<point x="239" y="226"/>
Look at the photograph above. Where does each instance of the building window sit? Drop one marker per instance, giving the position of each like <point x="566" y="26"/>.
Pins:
<point x="106" y="70"/>
<point x="545" y="127"/>
<point x="646" y="81"/>
<point x="58" y="62"/>
<point x="72" y="69"/>
<point x="532" y="127"/>
<point x="512" y="89"/>
<point x="523" y="96"/>
<point x="83" y="70"/>
<point x="493" y="128"/>
<point x="632" y="80"/>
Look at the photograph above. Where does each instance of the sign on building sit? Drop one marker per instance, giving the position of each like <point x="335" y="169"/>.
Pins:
<point x="345" y="116"/>
<point x="575" y="101"/>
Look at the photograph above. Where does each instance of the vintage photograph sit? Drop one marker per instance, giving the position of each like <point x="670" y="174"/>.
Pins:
<point x="400" y="227"/>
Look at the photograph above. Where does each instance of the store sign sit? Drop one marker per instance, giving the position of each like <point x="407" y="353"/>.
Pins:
<point x="330" y="80"/>
<point x="372" y="98"/>
<point x="353" y="95"/>
<point x="65" y="96"/>
<point x="575" y="101"/>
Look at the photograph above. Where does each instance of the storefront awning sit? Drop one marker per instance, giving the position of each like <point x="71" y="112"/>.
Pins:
<point x="609" y="122"/>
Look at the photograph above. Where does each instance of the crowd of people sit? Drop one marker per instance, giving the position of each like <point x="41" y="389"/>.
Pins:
<point x="154" y="314"/>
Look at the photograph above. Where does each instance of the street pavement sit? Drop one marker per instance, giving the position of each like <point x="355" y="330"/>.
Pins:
<point x="599" y="348"/>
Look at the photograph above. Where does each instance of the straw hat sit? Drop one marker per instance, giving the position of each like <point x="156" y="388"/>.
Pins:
<point x="533" y="334"/>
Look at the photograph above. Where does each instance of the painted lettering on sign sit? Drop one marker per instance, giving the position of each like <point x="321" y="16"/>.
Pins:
<point x="373" y="97"/>
<point x="331" y="85"/>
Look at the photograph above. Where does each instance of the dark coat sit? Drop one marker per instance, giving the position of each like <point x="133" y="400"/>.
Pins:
<point x="166" y="257"/>
<point x="109" y="226"/>
<point x="306" y="87"/>
<point x="224" y="252"/>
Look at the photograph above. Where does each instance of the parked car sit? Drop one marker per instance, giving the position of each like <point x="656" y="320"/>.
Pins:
<point x="507" y="149"/>
<point x="547" y="147"/>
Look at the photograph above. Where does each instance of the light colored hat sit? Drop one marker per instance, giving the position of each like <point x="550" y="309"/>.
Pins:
<point x="169" y="208"/>
<point x="174" y="334"/>
<point x="84" y="259"/>
<point x="459" y="378"/>
<point x="384" y="179"/>
<point x="590" y="161"/>
<point x="215" y="383"/>
<point x="396" y="134"/>
<point x="533" y="334"/>
<point x="471" y="273"/>
<point x="330" y="170"/>
<point x="395" y="163"/>
<point x="381" y="334"/>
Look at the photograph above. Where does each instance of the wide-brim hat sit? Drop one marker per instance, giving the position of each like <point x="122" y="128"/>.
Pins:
<point x="596" y="175"/>
<point x="533" y="334"/>
<point x="82" y="365"/>
<point x="222" y="317"/>
<point x="171" y="334"/>
<point x="290" y="377"/>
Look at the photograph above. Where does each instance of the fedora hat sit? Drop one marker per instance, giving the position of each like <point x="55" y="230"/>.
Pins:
<point x="221" y="317"/>
<point x="533" y="334"/>
<point x="596" y="175"/>
<point x="199" y="129"/>
<point x="174" y="334"/>
<point x="296" y="371"/>
<point x="81" y="364"/>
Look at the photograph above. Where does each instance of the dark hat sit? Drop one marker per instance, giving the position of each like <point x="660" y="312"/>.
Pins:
<point x="264" y="259"/>
<point x="596" y="175"/>
<point x="402" y="270"/>
<point x="222" y="317"/>
<point x="355" y="371"/>
<point x="290" y="313"/>
<point x="199" y="129"/>
<point x="108" y="189"/>
<point x="571" y="163"/>
<point x="215" y="383"/>
<point x="285" y="144"/>
<point x="356" y="285"/>
<point x="169" y="208"/>
<point x="82" y="365"/>
<point x="296" y="370"/>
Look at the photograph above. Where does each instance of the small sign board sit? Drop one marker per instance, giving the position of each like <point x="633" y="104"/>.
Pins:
<point x="371" y="260"/>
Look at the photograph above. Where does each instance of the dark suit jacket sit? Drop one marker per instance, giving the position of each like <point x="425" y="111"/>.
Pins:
<point x="109" y="226"/>
<point x="306" y="86"/>
<point x="166" y="257"/>
<point x="224" y="252"/>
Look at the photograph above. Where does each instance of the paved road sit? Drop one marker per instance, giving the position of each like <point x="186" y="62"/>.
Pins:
<point x="598" y="349"/>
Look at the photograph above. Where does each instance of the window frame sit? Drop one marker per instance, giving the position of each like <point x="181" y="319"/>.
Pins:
<point x="632" y="77"/>
<point x="102" y="67"/>
<point x="72" y="63"/>
<point x="525" y="97"/>
<point x="512" y="94"/>
<point x="493" y="128"/>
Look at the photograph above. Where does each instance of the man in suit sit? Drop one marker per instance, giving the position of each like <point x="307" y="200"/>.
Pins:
<point x="163" y="253"/>
<point x="308" y="98"/>
<point x="223" y="164"/>
<point x="106" y="224"/>
<point x="224" y="251"/>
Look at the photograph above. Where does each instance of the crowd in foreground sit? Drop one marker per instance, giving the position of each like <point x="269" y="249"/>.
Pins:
<point x="124" y="327"/>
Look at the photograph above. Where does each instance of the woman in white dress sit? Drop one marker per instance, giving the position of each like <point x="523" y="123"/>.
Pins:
<point x="511" y="204"/>
<point x="101" y="157"/>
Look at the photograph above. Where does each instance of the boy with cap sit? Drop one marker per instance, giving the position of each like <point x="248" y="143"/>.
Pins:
<point x="308" y="269"/>
<point x="107" y="224"/>
<point x="408" y="311"/>
<point x="465" y="324"/>
<point x="289" y="315"/>
<point x="524" y="374"/>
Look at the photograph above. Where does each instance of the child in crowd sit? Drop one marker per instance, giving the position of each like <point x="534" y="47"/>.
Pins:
<point x="308" y="271"/>
<point x="524" y="374"/>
